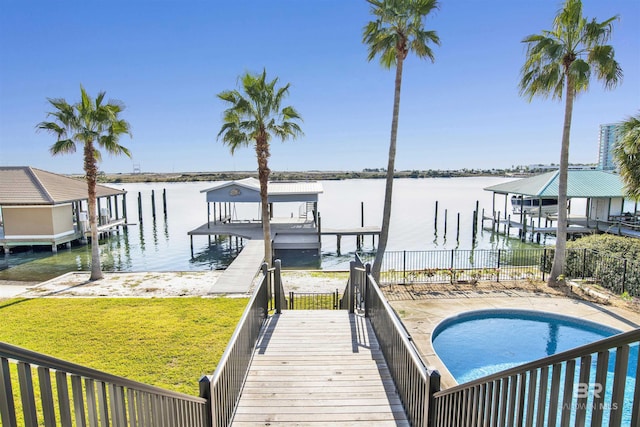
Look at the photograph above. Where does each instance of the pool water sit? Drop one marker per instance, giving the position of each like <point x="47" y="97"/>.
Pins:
<point x="480" y="343"/>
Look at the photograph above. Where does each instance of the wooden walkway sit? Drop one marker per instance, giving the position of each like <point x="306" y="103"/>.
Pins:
<point x="318" y="368"/>
<point x="239" y="276"/>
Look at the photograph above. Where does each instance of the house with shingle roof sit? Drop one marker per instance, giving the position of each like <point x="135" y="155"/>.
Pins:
<point x="43" y="208"/>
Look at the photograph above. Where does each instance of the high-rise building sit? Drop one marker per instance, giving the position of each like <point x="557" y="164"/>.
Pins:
<point x="609" y="136"/>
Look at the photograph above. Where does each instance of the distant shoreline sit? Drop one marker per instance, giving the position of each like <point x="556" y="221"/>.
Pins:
<point x="301" y="176"/>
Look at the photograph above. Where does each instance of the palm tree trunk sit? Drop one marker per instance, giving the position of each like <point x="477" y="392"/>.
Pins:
<point x="559" y="257"/>
<point x="91" y="170"/>
<point x="262" y="152"/>
<point x="388" y="193"/>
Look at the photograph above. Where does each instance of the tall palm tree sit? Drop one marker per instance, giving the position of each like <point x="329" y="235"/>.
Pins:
<point x="96" y="125"/>
<point x="627" y="154"/>
<point x="398" y="29"/>
<point x="253" y="116"/>
<point x="561" y="61"/>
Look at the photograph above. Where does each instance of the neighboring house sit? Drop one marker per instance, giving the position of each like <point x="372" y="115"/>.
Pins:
<point x="43" y="208"/>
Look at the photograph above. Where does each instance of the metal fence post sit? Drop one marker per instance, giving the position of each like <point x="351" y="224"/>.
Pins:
<point x="365" y="285"/>
<point x="404" y="267"/>
<point x="498" y="268"/>
<point x="265" y="272"/>
<point x="624" y="275"/>
<point x="433" y="386"/>
<point x="205" y="393"/>
<point x="544" y="263"/>
<point x="584" y="262"/>
<point x="278" y="286"/>
<point x="352" y="279"/>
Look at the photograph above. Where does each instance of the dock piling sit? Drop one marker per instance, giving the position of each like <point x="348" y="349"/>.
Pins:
<point x="139" y="206"/>
<point x="164" y="201"/>
<point x="153" y="204"/>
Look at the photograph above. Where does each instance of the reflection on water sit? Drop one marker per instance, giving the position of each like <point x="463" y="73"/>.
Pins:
<point x="161" y="242"/>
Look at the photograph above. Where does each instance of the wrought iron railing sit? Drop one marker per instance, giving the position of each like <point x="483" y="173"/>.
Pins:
<point x="225" y="385"/>
<point x="470" y="266"/>
<point x="414" y="382"/>
<point x="595" y="385"/>
<point x="53" y="392"/>
<point x="313" y="301"/>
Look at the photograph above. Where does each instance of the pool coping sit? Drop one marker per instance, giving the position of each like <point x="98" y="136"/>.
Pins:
<point x="421" y="317"/>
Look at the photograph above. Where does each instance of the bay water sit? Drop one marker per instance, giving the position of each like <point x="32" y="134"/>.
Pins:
<point x="162" y="243"/>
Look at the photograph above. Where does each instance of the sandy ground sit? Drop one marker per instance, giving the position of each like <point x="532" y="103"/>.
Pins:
<point x="158" y="284"/>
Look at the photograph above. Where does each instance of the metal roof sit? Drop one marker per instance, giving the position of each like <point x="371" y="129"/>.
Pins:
<point x="24" y="185"/>
<point x="580" y="184"/>
<point x="274" y="188"/>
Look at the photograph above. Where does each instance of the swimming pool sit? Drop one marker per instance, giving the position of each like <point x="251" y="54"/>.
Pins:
<point x="479" y="343"/>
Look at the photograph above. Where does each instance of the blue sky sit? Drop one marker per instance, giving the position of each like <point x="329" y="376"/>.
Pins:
<point x="167" y="60"/>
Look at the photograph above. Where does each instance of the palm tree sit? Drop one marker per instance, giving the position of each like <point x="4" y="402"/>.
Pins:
<point x="562" y="61"/>
<point x="397" y="30"/>
<point x="627" y="154"/>
<point x="252" y="118"/>
<point x="96" y="125"/>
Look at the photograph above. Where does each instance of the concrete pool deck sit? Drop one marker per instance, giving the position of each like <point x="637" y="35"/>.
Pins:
<point x="421" y="316"/>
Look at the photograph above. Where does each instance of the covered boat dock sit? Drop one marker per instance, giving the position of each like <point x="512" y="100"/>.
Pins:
<point x="605" y="206"/>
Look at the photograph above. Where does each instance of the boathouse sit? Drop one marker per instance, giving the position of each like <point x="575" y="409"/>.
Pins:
<point x="295" y="231"/>
<point x="248" y="191"/>
<point x="43" y="208"/>
<point x="602" y="194"/>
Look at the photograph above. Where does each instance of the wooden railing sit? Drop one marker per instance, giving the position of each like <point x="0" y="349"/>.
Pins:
<point x="560" y="390"/>
<point x="414" y="382"/>
<point x="94" y="398"/>
<point x="223" y="388"/>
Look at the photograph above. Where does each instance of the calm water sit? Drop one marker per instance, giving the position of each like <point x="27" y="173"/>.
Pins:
<point x="162" y="244"/>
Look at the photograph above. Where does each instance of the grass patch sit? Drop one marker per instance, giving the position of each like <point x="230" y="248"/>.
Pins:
<point x="166" y="342"/>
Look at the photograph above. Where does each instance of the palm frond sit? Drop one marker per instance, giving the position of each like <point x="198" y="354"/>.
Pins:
<point x="63" y="146"/>
<point x="573" y="48"/>
<point x="85" y="122"/>
<point x="627" y="155"/>
<point x="253" y="114"/>
<point x="399" y="30"/>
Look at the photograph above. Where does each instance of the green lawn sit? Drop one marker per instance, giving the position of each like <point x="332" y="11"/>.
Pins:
<point x="166" y="342"/>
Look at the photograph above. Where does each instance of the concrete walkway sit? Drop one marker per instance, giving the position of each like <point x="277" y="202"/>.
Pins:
<point x="422" y="316"/>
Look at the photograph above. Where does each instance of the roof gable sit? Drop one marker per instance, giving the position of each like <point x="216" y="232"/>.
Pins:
<point x="248" y="190"/>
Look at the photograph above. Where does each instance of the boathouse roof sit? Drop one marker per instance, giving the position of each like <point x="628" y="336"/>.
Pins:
<point x="248" y="190"/>
<point x="24" y="185"/>
<point x="580" y="184"/>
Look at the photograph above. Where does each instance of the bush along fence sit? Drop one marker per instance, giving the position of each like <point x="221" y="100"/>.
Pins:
<point x="615" y="273"/>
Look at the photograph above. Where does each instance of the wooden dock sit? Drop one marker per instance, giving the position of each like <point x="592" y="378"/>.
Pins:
<point x="314" y="368"/>
<point x="239" y="275"/>
<point x="286" y="233"/>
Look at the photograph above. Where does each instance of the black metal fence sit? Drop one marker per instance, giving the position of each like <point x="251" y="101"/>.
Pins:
<point x="313" y="301"/>
<point x="470" y="266"/>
